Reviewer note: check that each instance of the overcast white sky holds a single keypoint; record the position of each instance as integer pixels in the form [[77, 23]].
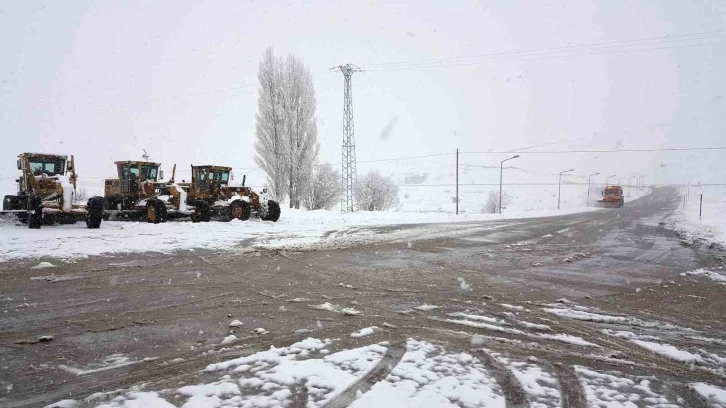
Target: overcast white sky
[[104, 80]]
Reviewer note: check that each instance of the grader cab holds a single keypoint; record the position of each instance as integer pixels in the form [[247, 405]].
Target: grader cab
[[46, 193], [134, 193], [137, 181]]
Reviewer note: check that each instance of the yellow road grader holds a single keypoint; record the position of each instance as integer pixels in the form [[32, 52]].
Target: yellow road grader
[[139, 193], [46, 193]]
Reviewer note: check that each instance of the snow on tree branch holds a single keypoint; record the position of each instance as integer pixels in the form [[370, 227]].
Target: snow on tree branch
[[286, 133], [375, 192], [323, 191]]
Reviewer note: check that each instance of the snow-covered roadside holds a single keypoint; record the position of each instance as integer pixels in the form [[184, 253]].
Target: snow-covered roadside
[[296, 229], [714, 396], [710, 228], [714, 276]]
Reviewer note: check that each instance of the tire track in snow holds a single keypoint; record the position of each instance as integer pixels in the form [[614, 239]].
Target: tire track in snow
[[633, 352], [381, 370], [689, 397], [80, 387], [571, 391], [514, 394]]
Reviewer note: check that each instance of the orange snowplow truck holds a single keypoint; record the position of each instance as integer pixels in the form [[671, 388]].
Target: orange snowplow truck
[[612, 197]]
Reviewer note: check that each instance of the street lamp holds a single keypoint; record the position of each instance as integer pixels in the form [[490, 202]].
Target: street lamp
[[621, 178], [642, 176], [501, 170], [559, 186], [629, 181], [588, 187], [608, 178]]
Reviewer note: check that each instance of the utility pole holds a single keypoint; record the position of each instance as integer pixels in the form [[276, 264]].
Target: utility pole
[[559, 186], [348, 173], [501, 170], [629, 181], [457, 181], [588, 187]]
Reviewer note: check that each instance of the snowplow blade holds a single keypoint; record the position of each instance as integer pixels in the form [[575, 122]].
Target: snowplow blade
[[608, 204]]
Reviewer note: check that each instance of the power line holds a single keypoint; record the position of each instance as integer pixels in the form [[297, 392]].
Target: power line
[[489, 184], [550, 184], [547, 53], [406, 158], [538, 51], [664, 149], [540, 58], [521, 151]]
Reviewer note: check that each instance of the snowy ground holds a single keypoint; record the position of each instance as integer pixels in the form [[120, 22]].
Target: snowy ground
[[473, 320], [296, 229], [532, 366], [708, 228], [426, 195]]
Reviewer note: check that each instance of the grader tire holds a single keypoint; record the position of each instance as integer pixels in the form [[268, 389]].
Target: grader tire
[[240, 210], [273, 211], [35, 212], [161, 209], [50, 219], [94, 212], [202, 212], [154, 214], [10, 202]]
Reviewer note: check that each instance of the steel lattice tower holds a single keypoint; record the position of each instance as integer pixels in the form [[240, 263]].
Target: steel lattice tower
[[348, 174]]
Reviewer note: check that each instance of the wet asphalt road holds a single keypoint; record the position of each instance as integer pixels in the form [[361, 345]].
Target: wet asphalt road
[[177, 306]]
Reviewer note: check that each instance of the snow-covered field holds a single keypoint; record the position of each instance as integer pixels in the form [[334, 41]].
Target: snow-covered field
[[296, 229], [709, 228], [429, 185]]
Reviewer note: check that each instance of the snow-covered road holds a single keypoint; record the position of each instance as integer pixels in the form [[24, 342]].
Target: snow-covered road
[[596, 309], [296, 229], [493, 371]]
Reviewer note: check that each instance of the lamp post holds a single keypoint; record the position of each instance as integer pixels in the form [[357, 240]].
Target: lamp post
[[501, 170], [588, 187], [642, 176], [559, 186], [608, 178], [621, 178], [629, 181]]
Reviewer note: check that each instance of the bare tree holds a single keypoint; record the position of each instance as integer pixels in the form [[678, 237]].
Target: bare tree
[[492, 205], [375, 192], [81, 195], [302, 132], [287, 135], [323, 192], [272, 144]]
